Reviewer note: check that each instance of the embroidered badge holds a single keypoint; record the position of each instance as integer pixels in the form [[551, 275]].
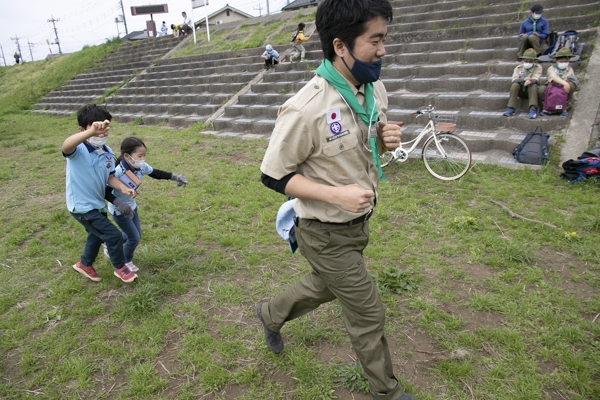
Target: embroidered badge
[[335, 128], [334, 116], [331, 138]]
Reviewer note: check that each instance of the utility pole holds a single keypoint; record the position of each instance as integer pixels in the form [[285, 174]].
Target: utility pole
[[268, 12], [2, 50], [259, 9], [16, 39], [55, 32], [124, 22], [117, 22], [30, 46]]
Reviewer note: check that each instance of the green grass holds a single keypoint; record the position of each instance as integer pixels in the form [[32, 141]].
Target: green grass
[[455, 272], [22, 85]]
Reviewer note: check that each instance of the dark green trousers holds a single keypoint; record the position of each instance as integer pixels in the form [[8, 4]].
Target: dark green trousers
[[339, 272], [529, 42], [516, 91]]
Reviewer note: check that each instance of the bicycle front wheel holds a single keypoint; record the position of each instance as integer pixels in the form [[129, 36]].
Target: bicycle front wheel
[[451, 165]]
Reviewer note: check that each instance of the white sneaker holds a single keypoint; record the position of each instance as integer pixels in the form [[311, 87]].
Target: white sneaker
[[105, 251], [132, 267]]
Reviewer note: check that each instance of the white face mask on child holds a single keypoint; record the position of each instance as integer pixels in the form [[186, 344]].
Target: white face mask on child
[[137, 164], [563, 65], [97, 141], [537, 16], [527, 65]]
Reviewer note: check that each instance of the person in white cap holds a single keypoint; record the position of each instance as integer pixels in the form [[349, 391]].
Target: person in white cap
[[271, 57]]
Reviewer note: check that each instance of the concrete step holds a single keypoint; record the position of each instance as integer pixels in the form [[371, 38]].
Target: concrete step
[[461, 11], [191, 80], [479, 31]]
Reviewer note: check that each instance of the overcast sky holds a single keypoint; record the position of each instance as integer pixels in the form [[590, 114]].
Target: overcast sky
[[91, 22]]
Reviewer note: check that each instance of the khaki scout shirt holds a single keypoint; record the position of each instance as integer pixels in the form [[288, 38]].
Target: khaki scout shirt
[[553, 73], [304, 142], [535, 72]]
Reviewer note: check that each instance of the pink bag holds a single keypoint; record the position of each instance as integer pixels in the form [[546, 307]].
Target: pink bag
[[555, 99]]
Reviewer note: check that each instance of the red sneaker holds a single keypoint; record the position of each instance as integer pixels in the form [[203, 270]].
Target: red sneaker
[[88, 272], [125, 274]]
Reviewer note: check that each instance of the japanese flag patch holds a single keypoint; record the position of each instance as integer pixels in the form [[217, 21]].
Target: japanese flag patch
[[334, 116]]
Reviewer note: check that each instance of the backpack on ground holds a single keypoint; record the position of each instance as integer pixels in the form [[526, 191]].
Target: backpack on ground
[[555, 99], [533, 149], [568, 39], [580, 169], [294, 36]]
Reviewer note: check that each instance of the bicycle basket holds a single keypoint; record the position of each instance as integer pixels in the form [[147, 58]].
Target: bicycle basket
[[445, 122]]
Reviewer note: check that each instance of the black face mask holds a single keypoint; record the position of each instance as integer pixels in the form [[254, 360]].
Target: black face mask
[[364, 72]]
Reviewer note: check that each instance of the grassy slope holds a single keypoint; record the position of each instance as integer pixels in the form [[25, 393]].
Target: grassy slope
[[519, 300], [22, 85]]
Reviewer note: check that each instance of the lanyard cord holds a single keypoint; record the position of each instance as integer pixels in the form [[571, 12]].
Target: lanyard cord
[[372, 135]]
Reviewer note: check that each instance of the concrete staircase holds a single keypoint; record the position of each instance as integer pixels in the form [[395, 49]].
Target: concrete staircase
[[185, 90], [456, 55], [116, 69]]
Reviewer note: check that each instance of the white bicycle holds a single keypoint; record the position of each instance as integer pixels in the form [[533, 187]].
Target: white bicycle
[[446, 156]]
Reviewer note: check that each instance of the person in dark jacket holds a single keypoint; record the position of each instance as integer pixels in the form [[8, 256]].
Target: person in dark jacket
[[533, 31]]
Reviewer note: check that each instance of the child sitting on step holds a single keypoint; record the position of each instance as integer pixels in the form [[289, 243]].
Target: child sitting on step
[[298, 47], [561, 74], [525, 80], [133, 161]]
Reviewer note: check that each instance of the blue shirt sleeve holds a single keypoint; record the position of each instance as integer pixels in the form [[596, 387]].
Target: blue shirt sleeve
[[543, 28]]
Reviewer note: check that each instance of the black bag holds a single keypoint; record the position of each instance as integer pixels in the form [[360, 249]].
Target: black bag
[[533, 149]]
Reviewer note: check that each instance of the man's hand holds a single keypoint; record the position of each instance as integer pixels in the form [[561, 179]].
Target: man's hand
[[535, 33], [354, 198], [99, 128], [391, 134], [124, 208], [527, 82]]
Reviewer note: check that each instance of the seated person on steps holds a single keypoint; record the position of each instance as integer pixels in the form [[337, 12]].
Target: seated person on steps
[[560, 73], [186, 26], [270, 56], [533, 30], [525, 81]]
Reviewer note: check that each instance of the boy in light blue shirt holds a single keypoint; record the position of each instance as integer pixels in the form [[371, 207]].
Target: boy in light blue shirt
[[271, 57], [90, 167]]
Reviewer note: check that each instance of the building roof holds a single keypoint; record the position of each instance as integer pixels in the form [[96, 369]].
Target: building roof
[[233, 9], [297, 4]]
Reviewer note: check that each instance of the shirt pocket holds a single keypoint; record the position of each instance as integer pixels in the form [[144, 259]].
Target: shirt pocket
[[341, 145]]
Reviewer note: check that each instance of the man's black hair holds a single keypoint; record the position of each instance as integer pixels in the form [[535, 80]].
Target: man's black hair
[[91, 113], [301, 26], [346, 20]]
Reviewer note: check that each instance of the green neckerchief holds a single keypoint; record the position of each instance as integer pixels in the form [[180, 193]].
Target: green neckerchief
[[560, 71], [534, 22], [526, 73], [369, 116]]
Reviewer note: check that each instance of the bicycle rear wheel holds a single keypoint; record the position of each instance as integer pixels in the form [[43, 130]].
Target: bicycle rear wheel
[[454, 164], [386, 159]]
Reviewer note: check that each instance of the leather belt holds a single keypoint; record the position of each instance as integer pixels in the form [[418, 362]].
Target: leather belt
[[359, 220]]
